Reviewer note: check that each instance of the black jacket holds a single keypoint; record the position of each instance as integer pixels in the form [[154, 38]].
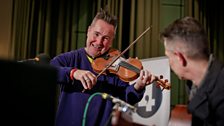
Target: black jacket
[[207, 105]]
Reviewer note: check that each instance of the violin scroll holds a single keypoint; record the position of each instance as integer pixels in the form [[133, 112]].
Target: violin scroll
[[162, 83]]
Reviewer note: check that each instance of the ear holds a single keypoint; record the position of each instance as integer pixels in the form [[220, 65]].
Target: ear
[[181, 58]]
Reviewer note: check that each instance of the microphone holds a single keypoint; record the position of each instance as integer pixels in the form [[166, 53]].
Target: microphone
[[124, 105], [43, 58], [29, 60], [39, 59]]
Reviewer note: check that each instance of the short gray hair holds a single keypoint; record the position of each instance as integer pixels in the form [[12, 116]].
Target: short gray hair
[[190, 33]]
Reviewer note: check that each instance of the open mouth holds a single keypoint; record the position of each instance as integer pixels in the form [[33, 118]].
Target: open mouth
[[97, 47]]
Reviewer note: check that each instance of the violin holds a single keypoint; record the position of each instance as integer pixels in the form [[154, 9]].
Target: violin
[[126, 69]]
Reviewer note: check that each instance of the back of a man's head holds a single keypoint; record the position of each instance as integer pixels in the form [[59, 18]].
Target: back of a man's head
[[191, 34]]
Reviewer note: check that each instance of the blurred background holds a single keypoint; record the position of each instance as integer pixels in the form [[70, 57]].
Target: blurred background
[[31, 27]]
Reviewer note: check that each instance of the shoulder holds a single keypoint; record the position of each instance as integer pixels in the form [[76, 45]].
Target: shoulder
[[72, 53], [217, 69], [69, 56]]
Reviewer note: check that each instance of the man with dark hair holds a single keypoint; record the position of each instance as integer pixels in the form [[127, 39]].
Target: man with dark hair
[[186, 46], [75, 75]]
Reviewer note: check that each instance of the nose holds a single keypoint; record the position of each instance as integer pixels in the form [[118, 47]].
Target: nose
[[99, 40]]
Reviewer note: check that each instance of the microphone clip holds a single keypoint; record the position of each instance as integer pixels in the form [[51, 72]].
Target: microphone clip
[[120, 105]]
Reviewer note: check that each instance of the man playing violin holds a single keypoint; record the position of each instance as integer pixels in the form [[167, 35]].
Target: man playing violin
[[78, 81]]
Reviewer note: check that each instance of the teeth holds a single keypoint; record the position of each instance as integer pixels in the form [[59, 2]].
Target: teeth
[[97, 46]]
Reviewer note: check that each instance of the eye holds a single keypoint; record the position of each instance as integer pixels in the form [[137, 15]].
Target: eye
[[96, 34], [106, 38]]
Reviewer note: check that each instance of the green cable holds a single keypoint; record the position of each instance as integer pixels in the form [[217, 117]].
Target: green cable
[[86, 108]]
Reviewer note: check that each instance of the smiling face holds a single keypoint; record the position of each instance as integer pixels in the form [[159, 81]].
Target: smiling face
[[100, 36]]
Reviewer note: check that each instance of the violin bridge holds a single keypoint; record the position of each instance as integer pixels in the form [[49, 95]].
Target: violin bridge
[[115, 66]]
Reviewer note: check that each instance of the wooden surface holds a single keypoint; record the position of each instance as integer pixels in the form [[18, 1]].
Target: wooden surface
[[117, 120], [180, 116]]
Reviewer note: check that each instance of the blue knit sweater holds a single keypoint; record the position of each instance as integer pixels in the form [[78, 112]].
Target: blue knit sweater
[[72, 101]]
